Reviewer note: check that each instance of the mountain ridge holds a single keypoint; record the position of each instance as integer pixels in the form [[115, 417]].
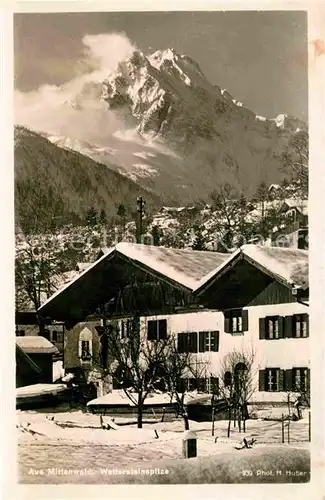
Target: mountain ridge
[[52, 182], [184, 136]]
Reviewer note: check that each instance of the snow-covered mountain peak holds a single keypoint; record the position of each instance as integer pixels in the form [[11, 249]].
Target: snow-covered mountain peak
[[159, 56], [169, 60], [279, 120]]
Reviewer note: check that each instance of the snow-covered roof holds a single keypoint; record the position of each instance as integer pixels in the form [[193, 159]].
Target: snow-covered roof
[[301, 205], [36, 344], [186, 267], [287, 264], [39, 390], [181, 267]]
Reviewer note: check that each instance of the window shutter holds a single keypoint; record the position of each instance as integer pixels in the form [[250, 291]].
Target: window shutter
[[192, 342], [135, 326], [152, 330], [261, 381], [182, 342], [288, 386], [245, 320], [227, 322], [308, 379], [288, 326], [162, 329], [202, 341], [281, 327], [262, 322], [281, 380], [307, 323], [215, 336]]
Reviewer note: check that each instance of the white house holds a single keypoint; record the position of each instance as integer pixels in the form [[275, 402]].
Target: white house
[[255, 299]]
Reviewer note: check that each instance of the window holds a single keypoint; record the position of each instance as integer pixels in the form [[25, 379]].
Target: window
[[157, 329], [300, 326], [59, 337], [187, 342], [300, 379], [85, 350], [198, 342], [271, 380], [236, 321], [208, 342], [85, 345], [271, 327], [54, 337], [126, 327]]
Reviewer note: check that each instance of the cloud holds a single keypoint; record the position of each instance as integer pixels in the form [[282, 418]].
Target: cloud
[[75, 108]]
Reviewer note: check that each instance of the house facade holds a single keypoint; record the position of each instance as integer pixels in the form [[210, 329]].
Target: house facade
[[262, 293], [276, 334], [254, 300]]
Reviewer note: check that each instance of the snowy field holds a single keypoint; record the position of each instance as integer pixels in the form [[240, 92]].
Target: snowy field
[[75, 440]]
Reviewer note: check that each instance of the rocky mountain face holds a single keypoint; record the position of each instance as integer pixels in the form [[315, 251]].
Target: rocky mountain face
[[183, 138], [57, 185], [217, 139]]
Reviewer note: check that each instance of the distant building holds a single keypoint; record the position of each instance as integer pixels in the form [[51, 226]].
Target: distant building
[[295, 232], [27, 325]]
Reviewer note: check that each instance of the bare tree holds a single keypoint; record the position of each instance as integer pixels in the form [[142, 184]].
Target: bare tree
[[297, 393], [295, 161], [135, 363], [38, 267], [232, 209], [236, 384], [179, 368]]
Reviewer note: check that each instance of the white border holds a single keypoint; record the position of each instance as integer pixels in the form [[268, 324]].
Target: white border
[[313, 490]]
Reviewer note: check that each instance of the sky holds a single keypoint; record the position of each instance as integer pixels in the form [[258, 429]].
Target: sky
[[259, 57]]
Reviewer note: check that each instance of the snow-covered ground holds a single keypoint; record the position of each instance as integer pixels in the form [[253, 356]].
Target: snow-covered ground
[[82, 428], [75, 441]]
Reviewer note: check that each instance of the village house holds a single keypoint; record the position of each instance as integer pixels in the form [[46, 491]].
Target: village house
[[127, 280], [35, 356], [263, 295], [212, 303], [27, 325]]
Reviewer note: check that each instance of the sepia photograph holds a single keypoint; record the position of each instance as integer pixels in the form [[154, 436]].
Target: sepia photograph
[[161, 184]]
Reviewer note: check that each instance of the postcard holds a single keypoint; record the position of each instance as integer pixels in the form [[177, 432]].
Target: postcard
[[165, 209]]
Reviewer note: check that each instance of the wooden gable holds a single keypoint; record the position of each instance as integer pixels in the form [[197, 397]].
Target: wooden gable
[[243, 284]]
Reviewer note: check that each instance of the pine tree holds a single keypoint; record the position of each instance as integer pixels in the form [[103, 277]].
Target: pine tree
[[91, 217], [121, 210], [199, 240], [156, 234], [102, 217]]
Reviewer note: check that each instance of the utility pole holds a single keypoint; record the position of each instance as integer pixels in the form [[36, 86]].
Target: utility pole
[[140, 209]]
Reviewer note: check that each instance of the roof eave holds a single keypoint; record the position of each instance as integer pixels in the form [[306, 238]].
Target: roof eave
[[222, 269], [74, 280]]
